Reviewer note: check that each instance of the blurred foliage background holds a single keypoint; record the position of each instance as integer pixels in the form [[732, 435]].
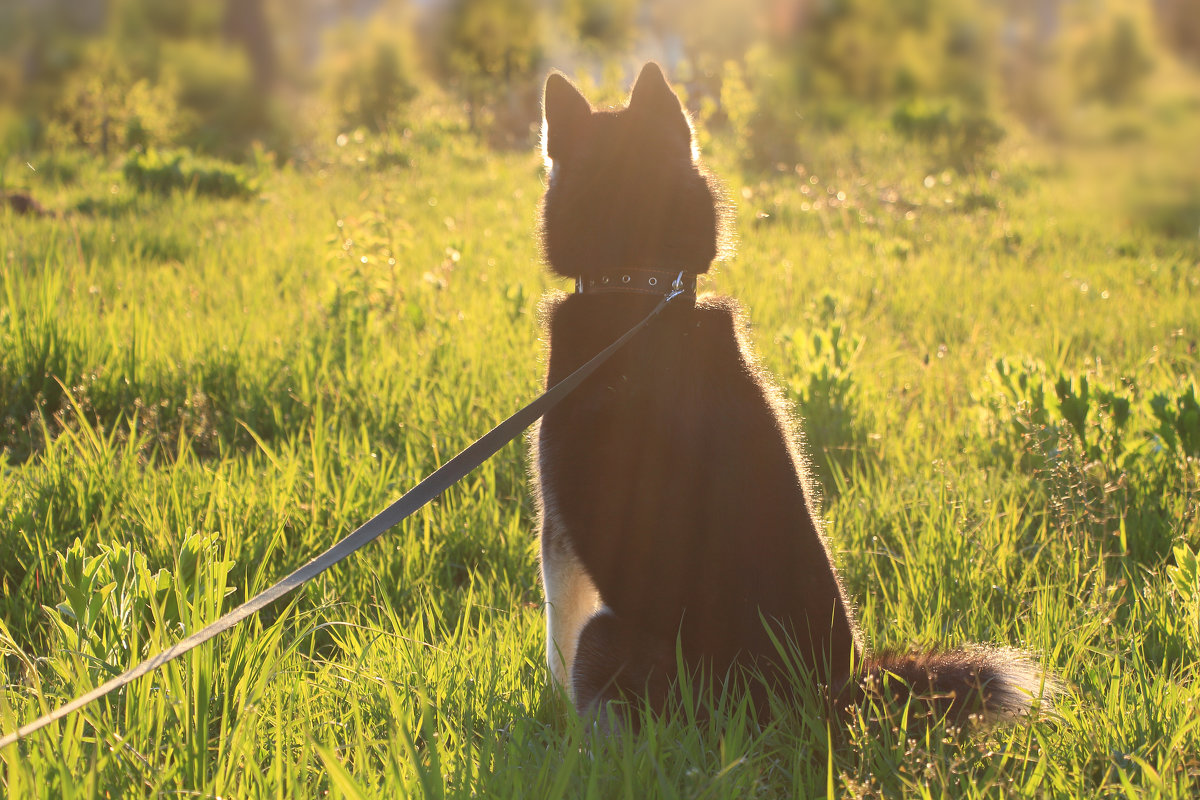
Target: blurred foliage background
[[272, 264], [219, 76]]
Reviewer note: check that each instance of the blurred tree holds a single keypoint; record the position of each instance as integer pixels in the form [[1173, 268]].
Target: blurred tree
[[604, 25], [143, 28], [821, 63], [147, 73], [369, 73], [168, 19], [492, 47], [1112, 65], [1179, 25], [246, 24], [104, 107], [878, 52]]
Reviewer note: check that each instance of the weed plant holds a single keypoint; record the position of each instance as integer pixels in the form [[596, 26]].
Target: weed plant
[[996, 377]]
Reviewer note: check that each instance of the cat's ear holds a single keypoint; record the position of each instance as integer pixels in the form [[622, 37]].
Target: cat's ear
[[566, 112], [653, 100]]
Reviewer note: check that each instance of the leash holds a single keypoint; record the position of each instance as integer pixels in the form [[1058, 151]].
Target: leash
[[416, 498]]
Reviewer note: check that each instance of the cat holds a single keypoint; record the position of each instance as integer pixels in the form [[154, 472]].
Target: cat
[[677, 520]]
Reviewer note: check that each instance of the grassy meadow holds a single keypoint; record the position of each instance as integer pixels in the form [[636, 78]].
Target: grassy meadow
[[995, 368]]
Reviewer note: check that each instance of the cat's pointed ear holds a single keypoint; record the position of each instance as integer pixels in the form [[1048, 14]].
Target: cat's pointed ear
[[566, 112], [652, 99]]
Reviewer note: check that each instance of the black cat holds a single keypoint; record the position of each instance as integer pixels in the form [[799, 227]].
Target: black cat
[[675, 508]]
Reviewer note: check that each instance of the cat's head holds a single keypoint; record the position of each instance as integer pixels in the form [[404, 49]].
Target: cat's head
[[625, 188]]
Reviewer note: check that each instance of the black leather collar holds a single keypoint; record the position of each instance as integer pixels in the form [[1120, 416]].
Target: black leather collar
[[641, 281]]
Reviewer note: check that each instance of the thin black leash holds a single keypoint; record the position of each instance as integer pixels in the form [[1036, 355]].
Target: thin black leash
[[416, 498]]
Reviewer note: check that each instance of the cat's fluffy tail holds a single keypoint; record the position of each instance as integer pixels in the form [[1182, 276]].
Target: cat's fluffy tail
[[973, 684]]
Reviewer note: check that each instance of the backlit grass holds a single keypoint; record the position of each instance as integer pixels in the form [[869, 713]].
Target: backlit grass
[[198, 394]]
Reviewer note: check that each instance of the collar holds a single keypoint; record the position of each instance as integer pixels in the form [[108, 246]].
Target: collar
[[641, 281]]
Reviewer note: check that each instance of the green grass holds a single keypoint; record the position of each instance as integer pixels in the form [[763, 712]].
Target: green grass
[[198, 394]]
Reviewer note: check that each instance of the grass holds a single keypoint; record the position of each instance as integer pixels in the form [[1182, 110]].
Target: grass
[[199, 393]]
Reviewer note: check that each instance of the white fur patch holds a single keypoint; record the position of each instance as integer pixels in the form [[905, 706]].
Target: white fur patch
[[571, 597]]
